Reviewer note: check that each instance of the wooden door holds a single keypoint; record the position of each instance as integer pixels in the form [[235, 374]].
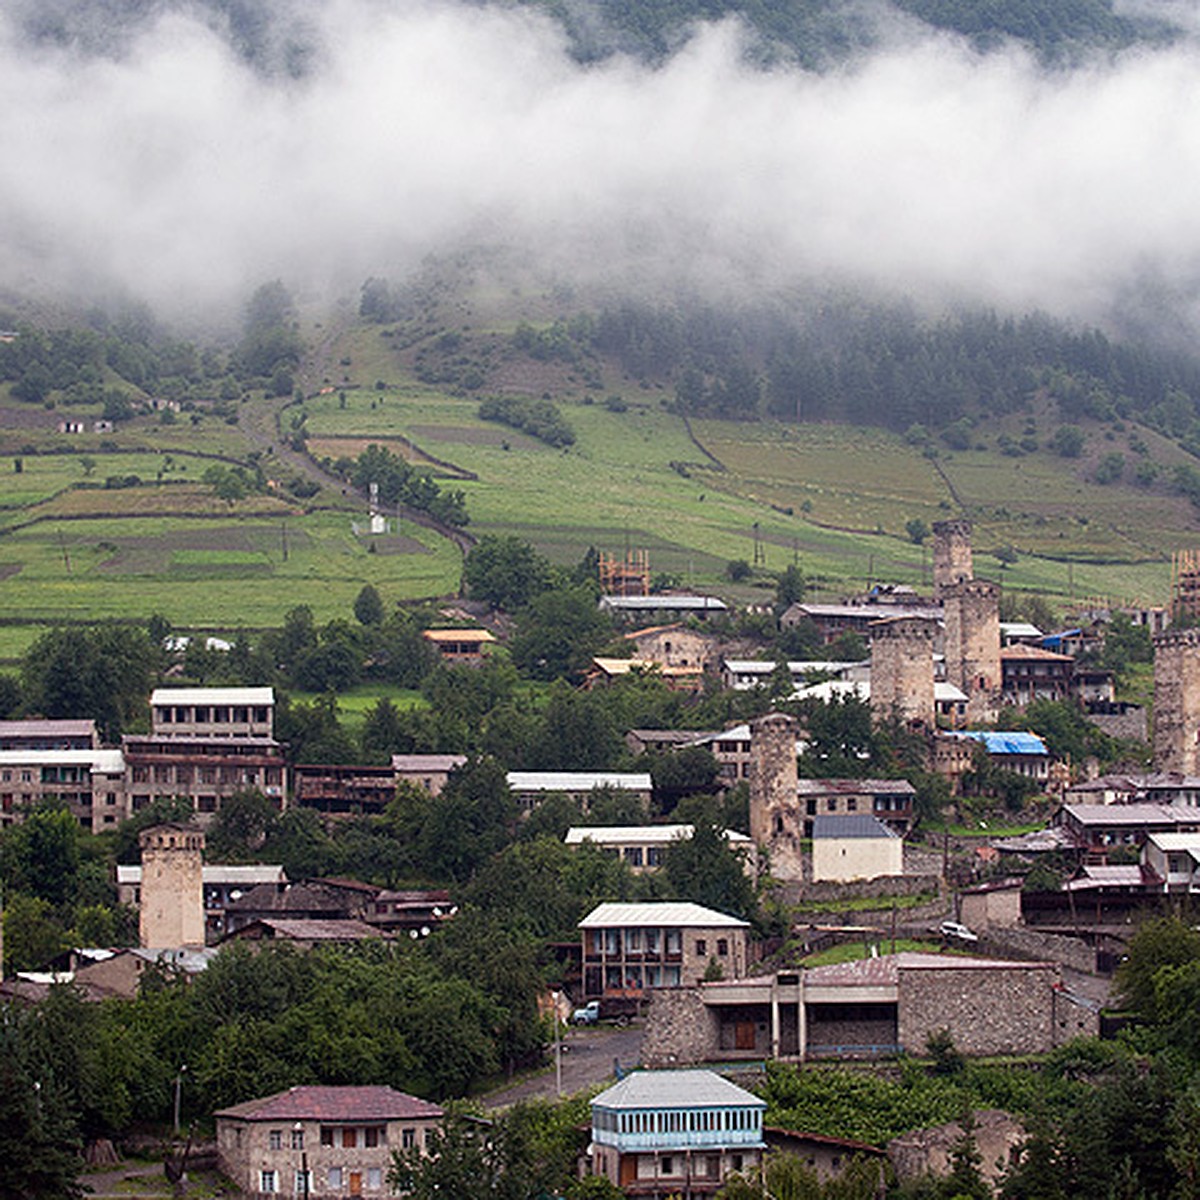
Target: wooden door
[[743, 1035], [628, 1169], [356, 1183]]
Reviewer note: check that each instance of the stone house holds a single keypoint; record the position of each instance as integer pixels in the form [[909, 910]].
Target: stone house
[[321, 1141], [997, 1136], [674, 645], [427, 771], [657, 1134], [629, 949], [866, 1009], [459, 646]]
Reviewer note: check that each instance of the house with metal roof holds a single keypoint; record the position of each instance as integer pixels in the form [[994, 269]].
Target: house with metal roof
[[850, 846], [213, 712], [631, 948], [321, 1141], [530, 788], [1022, 753], [674, 1133], [641, 847], [661, 608]]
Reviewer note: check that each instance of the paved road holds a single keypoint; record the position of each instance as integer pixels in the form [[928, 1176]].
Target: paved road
[[588, 1056]]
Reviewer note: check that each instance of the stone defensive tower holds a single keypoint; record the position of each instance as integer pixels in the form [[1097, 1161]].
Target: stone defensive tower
[[775, 821], [172, 899], [1177, 701], [952, 561], [902, 670], [971, 611]]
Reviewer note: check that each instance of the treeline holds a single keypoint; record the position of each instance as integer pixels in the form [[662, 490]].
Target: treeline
[[401, 483], [541, 419], [887, 365]]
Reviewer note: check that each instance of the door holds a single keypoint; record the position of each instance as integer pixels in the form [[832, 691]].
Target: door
[[628, 1170], [743, 1035], [356, 1183]]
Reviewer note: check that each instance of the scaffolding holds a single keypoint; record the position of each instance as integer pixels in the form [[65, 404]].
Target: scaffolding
[[628, 576]]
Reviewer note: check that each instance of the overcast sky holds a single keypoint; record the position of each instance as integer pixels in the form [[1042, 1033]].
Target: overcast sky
[[176, 170]]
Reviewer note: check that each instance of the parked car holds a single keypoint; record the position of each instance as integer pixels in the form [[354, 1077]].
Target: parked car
[[957, 932]]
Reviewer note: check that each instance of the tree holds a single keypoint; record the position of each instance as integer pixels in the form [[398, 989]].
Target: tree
[[917, 530], [1159, 943], [790, 587], [505, 571], [737, 570], [703, 869], [558, 632], [1068, 441], [368, 607], [460, 1159], [241, 826], [41, 856]]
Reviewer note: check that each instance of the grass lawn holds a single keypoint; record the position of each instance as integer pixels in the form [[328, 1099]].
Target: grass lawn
[[853, 951], [354, 704]]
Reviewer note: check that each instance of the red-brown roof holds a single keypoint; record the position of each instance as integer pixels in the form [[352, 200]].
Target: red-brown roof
[[370, 1103], [1020, 650]]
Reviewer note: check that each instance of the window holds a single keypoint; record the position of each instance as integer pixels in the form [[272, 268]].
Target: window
[[374, 1178], [297, 1139], [304, 1183], [266, 1182], [326, 1135], [372, 1138], [408, 1138], [722, 946], [667, 1165], [333, 1178], [275, 1139], [347, 1139], [701, 947]]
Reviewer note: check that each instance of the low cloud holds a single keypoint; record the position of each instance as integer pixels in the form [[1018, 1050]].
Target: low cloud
[[172, 168]]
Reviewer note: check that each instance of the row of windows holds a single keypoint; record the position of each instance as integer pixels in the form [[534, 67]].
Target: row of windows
[[634, 978], [184, 773], [217, 715], [635, 941], [336, 1178], [680, 1120]]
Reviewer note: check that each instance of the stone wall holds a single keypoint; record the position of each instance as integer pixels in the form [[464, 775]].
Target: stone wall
[[902, 670], [952, 559], [859, 889], [971, 611], [774, 817], [1177, 701], [988, 1010], [1131, 725], [1042, 947], [680, 1030]]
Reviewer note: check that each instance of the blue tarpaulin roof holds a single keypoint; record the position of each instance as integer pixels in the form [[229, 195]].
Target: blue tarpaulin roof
[[1005, 742]]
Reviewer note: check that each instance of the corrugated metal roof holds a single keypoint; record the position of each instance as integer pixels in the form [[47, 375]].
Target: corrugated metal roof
[[827, 826], [579, 781], [213, 695], [427, 762], [110, 762], [676, 1089], [613, 835], [663, 913], [662, 603], [214, 873]]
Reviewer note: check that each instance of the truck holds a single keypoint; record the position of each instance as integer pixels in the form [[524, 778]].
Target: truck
[[619, 1009]]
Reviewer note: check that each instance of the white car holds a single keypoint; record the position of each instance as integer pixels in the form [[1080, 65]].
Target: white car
[[957, 931]]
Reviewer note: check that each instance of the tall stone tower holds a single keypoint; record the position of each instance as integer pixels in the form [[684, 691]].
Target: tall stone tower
[[971, 611], [172, 901], [902, 670], [775, 820], [1177, 701], [951, 554]]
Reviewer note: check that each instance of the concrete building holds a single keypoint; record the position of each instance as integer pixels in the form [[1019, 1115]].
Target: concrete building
[[902, 671], [971, 615], [40, 734], [1177, 701], [1174, 861], [851, 846], [629, 949], [345, 789], [213, 712], [658, 1134], [641, 847], [205, 769], [775, 823], [90, 782], [952, 561], [344, 1137], [172, 897], [664, 608]]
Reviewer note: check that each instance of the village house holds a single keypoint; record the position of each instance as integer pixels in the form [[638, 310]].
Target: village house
[[91, 783], [607, 670], [631, 948], [40, 734], [1095, 829], [343, 789], [657, 1134], [427, 771], [462, 647], [641, 847], [321, 1141], [852, 846], [674, 645], [890, 800], [1032, 673], [666, 608], [530, 788]]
